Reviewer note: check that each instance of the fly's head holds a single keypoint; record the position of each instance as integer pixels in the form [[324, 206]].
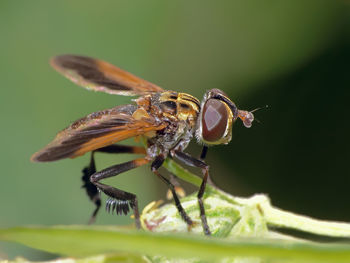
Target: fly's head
[[217, 115]]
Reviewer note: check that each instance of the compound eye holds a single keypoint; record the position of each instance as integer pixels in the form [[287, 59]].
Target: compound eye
[[214, 120]]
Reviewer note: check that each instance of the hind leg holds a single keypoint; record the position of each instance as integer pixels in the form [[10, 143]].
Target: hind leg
[[119, 200], [91, 189]]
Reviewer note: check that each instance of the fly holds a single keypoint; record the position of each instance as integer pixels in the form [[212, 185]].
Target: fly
[[166, 120]]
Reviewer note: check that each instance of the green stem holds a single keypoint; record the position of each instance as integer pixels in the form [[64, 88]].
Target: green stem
[[273, 216], [280, 218], [182, 173]]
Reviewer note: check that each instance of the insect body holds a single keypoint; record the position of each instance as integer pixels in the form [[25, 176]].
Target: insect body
[[167, 120]]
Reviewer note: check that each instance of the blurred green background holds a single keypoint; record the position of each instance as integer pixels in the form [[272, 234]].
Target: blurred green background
[[291, 55]]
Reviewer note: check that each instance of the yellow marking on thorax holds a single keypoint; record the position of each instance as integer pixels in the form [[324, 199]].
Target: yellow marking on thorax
[[187, 106]]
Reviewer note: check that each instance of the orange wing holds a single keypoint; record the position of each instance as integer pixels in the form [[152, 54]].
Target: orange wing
[[95, 131], [99, 75]]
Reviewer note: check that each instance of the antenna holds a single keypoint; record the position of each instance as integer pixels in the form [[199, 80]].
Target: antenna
[[264, 107], [247, 117]]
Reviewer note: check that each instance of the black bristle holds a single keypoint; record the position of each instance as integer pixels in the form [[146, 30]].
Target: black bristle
[[108, 205], [114, 205], [126, 208], [121, 207]]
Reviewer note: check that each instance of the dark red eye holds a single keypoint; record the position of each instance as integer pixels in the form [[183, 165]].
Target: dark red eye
[[214, 120]]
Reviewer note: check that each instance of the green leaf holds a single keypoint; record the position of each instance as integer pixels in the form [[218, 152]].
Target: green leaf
[[87, 241], [107, 258]]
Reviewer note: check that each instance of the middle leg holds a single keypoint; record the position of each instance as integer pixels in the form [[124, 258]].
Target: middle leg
[[157, 163], [178, 188]]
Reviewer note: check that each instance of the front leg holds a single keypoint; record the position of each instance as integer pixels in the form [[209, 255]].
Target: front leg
[[191, 161], [202, 158]]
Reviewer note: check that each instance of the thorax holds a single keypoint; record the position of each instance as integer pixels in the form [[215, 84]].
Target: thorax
[[179, 110]]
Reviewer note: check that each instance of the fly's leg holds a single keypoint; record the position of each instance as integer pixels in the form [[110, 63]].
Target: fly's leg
[[203, 153], [90, 188], [178, 189], [115, 148], [157, 163], [191, 161], [119, 200], [202, 158]]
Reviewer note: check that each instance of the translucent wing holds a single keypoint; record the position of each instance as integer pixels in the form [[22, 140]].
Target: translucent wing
[[99, 75], [97, 130]]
